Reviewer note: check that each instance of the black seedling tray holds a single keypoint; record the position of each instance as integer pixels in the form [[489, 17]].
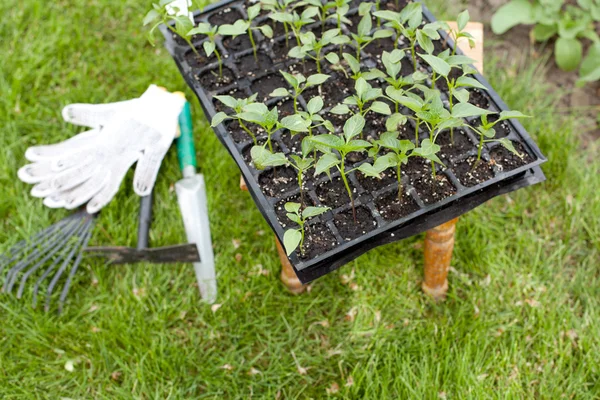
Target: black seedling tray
[[427, 213]]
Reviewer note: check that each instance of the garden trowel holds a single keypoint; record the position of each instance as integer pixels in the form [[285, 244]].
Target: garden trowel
[[191, 195]]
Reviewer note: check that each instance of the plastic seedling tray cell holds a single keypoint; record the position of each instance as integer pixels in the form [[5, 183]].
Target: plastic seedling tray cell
[[458, 192]]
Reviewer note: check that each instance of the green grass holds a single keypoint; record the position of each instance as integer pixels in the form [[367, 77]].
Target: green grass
[[521, 319]]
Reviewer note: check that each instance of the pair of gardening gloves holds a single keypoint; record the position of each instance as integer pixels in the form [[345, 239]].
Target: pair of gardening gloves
[[89, 167]]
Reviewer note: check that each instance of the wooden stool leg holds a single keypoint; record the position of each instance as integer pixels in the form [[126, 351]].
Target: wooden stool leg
[[288, 275], [439, 243]]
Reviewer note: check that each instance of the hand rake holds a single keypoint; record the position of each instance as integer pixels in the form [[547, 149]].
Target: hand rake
[[57, 249]]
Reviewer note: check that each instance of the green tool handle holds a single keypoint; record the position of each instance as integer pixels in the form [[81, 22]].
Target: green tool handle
[[186, 153]]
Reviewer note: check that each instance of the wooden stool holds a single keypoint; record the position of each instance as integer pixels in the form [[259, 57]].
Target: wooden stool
[[439, 241]]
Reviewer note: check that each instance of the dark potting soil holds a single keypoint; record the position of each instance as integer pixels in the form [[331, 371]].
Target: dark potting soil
[[332, 94], [237, 44], [502, 128], [279, 49], [505, 160], [371, 184], [238, 94], [238, 134], [471, 173], [199, 60], [377, 47], [350, 229], [306, 68], [333, 193], [278, 180], [391, 208], [453, 149], [478, 99], [212, 81], [250, 66], [431, 190], [318, 239], [265, 85], [294, 143], [225, 16]]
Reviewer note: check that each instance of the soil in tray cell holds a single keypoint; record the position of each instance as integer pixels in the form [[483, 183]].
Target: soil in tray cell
[[371, 184], [238, 44], [505, 160], [294, 143], [250, 66], [238, 134], [377, 47], [282, 213], [318, 239], [238, 94], [451, 150], [477, 98], [280, 50], [469, 176], [391, 208], [348, 228], [286, 107], [210, 80], [199, 61], [333, 91], [334, 194], [267, 84], [278, 180], [431, 190], [306, 68], [225, 16]]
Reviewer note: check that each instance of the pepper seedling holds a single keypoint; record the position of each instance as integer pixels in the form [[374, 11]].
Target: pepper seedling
[[266, 30], [339, 15], [210, 46], [278, 10], [299, 84], [311, 44], [298, 21], [398, 84], [354, 65], [163, 13], [343, 145], [292, 238], [238, 105], [487, 132], [362, 38], [313, 118], [365, 94], [443, 63], [456, 34], [322, 7]]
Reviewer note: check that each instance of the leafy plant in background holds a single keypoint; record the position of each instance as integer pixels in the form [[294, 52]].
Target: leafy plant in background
[[310, 44], [163, 13], [299, 84], [552, 18], [342, 145], [487, 132], [266, 30], [292, 238], [238, 105]]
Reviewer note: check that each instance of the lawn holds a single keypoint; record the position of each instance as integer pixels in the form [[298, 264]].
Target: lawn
[[522, 318]]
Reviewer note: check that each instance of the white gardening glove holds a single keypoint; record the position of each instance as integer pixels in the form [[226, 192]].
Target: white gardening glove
[[181, 7], [90, 166]]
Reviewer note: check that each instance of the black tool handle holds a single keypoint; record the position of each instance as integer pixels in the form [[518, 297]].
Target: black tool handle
[[145, 220]]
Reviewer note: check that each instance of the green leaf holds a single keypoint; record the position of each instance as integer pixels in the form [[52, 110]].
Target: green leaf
[[462, 95], [152, 16], [315, 105], [408, 102], [316, 79], [266, 30], [425, 42], [428, 150], [364, 26], [465, 81], [329, 126], [373, 73], [353, 126], [512, 14], [331, 141], [257, 108], [369, 170], [463, 110], [354, 145], [202, 28], [462, 20], [590, 66], [511, 114], [395, 121], [297, 52], [253, 11], [218, 118], [294, 123], [294, 217], [544, 32], [209, 47], [387, 15], [333, 58], [291, 240], [329, 34], [380, 108], [252, 117], [279, 92], [352, 62], [291, 79], [340, 109], [361, 86], [509, 146], [292, 207], [383, 33], [459, 60], [310, 212], [325, 163], [239, 27], [229, 101], [440, 66], [568, 53]]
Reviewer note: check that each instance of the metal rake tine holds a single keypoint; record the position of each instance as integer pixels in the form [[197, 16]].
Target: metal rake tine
[[79, 230], [54, 243], [26, 244], [65, 291], [62, 269]]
